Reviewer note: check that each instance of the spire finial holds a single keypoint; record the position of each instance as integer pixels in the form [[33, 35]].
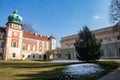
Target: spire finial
[[16, 11]]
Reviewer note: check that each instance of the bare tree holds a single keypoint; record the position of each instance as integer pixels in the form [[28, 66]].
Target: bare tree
[[115, 18], [115, 11], [28, 27], [115, 14]]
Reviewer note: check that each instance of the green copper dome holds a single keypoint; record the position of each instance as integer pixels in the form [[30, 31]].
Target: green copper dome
[[14, 17]]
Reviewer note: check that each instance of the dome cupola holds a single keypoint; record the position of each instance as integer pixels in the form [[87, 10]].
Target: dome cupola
[[15, 17]]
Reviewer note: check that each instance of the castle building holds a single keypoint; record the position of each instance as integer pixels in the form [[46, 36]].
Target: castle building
[[110, 44], [18, 44]]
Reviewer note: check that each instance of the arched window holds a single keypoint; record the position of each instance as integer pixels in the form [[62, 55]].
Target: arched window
[[14, 44]]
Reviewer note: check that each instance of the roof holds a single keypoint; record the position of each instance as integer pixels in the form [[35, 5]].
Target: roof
[[34, 36], [15, 17], [2, 29], [52, 37]]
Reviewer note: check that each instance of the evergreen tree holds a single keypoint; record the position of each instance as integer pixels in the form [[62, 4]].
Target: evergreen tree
[[87, 46]]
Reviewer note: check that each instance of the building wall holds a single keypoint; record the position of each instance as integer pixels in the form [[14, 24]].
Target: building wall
[[64, 54], [13, 35], [68, 41], [35, 48], [110, 44], [18, 44]]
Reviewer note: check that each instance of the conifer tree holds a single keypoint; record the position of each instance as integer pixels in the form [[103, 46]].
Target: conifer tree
[[87, 46]]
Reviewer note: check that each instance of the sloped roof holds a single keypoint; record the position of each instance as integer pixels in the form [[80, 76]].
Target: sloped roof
[[34, 36], [2, 29]]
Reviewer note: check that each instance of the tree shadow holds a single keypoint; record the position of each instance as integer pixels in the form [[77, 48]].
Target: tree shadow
[[43, 75], [33, 70]]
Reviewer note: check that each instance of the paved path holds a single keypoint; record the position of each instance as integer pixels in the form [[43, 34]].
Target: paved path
[[115, 75]]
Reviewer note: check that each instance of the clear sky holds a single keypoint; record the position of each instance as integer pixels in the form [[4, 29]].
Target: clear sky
[[58, 17]]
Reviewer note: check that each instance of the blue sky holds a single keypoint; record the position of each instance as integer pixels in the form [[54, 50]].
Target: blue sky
[[58, 17]]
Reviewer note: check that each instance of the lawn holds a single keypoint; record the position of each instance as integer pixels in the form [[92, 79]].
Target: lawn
[[30, 70], [38, 70]]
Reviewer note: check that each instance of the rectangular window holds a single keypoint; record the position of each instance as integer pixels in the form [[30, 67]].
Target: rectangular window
[[23, 55], [39, 56], [119, 51], [0, 54], [33, 56], [28, 56], [109, 39], [13, 54], [102, 52], [118, 37], [1, 44], [101, 40], [59, 55]]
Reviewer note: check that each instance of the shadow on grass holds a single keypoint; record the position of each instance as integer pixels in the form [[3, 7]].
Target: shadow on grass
[[43, 75], [33, 70], [56, 74]]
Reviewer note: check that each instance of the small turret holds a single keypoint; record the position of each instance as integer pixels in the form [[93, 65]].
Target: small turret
[[14, 20], [52, 42]]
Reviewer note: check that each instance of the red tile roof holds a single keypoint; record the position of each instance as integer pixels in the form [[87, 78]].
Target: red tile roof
[[34, 36], [2, 29]]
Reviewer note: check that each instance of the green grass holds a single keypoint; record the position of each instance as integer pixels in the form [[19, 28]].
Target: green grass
[[40, 70], [109, 65], [32, 70]]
